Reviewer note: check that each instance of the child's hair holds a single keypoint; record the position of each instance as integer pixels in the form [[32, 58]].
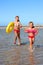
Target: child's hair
[[18, 17], [32, 23]]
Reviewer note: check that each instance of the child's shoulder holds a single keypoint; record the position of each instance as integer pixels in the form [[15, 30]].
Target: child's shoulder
[[34, 28], [29, 28], [19, 23]]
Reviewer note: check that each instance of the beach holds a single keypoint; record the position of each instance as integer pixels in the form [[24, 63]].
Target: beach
[[11, 54]]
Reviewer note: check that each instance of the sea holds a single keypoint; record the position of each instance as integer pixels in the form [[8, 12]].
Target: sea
[[12, 54]]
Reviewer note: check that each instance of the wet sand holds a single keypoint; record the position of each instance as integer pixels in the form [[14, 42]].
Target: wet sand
[[11, 54]]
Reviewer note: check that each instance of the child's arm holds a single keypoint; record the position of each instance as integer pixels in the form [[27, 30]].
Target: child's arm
[[20, 25], [36, 31], [26, 29]]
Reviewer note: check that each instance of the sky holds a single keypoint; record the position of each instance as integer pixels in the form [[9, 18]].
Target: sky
[[27, 10]]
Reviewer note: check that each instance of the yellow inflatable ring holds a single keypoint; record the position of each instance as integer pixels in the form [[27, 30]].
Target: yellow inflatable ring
[[10, 27]]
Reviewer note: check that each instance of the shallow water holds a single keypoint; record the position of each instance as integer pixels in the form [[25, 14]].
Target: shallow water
[[11, 54]]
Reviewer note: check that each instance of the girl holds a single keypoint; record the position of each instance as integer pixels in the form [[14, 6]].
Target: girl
[[32, 31], [17, 27]]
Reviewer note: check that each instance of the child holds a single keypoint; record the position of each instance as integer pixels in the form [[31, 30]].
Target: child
[[32, 31], [17, 27]]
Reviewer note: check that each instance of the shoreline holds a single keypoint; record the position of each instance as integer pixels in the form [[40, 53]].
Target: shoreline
[[3, 27]]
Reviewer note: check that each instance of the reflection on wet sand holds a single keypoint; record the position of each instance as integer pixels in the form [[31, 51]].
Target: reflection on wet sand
[[20, 55], [13, 57], [32, 59]]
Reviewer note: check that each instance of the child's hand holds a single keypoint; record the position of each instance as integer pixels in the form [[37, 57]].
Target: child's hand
[[26, 30], [21, 26]]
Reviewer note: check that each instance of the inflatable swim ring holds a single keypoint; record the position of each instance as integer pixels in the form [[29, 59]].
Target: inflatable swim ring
[[10, 27]]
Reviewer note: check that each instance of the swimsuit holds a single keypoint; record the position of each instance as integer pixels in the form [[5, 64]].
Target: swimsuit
[[16, 30], [31, 31], [31, 37]]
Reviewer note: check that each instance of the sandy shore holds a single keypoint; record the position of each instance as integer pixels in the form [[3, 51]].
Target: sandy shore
[[20, 55]]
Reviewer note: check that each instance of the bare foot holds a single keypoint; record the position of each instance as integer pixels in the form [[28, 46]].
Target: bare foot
[[19, 44], [14, 42], [30, 49]]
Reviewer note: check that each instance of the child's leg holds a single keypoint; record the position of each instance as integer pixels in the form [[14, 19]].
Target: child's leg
[[31, 43], [19, 40], [33, 39], [15, 38]]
